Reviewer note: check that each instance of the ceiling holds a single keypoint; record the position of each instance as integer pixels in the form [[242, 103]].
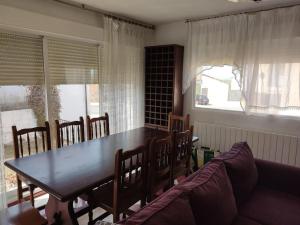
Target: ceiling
[[165, 11]]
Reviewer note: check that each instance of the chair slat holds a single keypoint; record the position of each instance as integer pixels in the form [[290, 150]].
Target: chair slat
[[71, 132], [178, 123], [28, 144], [43, 140], [21, 145], [35, 142], [97, 127]]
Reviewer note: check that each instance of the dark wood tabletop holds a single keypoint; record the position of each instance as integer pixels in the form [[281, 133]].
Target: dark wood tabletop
[[70, 171]]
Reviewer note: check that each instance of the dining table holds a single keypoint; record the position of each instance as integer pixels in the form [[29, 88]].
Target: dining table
[[73, 170]]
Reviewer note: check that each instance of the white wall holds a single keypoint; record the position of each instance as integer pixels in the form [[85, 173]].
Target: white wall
[[175, 33], [47, 17]]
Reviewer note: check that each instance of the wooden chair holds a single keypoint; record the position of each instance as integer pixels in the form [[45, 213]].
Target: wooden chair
[[68, 133], [160, 166], [178, 123], [21, 214], [128, 186], [182, 153], [97, 127], [23, 146]]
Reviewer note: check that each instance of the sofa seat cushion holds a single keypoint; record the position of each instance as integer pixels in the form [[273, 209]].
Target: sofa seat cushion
[[172, 207], [241, 169], [211, 195], [240, 220], [271, 207]]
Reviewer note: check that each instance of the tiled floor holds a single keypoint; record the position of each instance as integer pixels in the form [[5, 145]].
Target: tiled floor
[[97, 212]]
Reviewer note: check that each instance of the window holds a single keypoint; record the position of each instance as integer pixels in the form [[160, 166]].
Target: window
[[218, 88], [72, 86], [22, 96], [73, 78], [269, 94]]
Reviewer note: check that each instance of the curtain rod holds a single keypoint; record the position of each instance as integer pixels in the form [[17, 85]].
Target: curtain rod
[[239, 13], [104, 13]]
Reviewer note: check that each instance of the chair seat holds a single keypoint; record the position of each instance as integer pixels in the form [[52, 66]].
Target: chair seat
[[103, 197], [21, 214]]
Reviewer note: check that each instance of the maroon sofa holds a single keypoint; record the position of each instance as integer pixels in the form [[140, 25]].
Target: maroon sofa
[[233, 189]]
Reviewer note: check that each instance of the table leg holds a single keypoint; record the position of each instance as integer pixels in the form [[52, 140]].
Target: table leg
[[60, 213]]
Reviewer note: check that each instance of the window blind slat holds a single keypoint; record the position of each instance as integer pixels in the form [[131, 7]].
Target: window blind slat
[[21, 60], [72, 62]]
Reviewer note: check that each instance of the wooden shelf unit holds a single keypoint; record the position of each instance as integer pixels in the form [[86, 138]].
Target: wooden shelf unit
[[163, 84]]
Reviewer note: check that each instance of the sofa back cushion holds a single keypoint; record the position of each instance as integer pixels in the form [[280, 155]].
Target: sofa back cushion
[[241, 169], [172, 207], [211, 195]]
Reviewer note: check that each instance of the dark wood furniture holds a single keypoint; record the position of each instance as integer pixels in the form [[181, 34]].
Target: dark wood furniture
[[77, 169], [97, 127], [163, 84], [29, 141], [68, 133], [128, 186], [160, 166], [183, 142], [21, 214], [178, 123]]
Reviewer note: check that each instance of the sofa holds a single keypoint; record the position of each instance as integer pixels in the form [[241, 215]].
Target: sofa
[[232, 189]]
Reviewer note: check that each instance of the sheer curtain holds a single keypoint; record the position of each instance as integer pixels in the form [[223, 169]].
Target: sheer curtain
[[264, 50], [271, 70], [2, 174], [122, 78], [214, 42]]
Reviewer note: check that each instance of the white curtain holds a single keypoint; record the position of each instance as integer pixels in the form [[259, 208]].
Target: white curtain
[[2, 174], [264, 50], [213, 42], [271, 69], [122, 78]]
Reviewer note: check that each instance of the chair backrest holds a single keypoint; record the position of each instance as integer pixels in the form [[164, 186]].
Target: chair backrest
[[178, 123], [160, 165], [183, 148], [97, 127], [130, 175], [30, 141], [68, 133]]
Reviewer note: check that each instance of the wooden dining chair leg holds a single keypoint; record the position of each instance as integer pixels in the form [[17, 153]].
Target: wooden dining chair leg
[[90, 214], [20, 192], [116, 217], [143, 202], [72, 213], [31, 190]]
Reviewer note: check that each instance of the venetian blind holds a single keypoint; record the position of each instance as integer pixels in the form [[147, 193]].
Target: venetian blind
[[21, 60], [72, 62]]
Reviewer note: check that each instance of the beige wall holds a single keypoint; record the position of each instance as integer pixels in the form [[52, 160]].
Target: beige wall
[[175, 33]]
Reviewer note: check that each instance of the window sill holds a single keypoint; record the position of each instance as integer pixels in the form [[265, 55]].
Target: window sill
[[213, 109], [242, 113]]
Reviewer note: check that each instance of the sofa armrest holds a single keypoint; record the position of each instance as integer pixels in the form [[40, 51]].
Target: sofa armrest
[[278, 176]]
